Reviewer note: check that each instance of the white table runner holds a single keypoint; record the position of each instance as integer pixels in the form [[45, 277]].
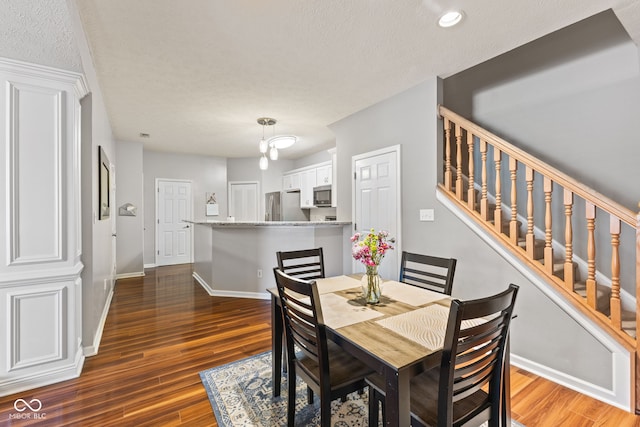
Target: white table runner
[[409, 294], [335, 284], [339, 312], [425, 326]]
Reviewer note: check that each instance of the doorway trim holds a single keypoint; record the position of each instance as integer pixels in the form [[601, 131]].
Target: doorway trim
[[157, 215], [386, 150]]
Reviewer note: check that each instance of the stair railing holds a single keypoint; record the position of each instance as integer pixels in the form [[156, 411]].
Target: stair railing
[[468, 147]]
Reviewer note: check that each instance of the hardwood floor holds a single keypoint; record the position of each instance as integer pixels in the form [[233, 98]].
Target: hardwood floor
[[164, 328]]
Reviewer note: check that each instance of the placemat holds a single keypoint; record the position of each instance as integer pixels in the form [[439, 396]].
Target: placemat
[[425, 326], [337, 283], [409, 294], [339, 312]]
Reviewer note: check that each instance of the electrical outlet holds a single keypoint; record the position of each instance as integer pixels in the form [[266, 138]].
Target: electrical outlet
[[427, 215], [259, 274]]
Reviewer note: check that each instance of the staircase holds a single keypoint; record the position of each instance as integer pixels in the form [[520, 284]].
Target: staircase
[[551, 222]]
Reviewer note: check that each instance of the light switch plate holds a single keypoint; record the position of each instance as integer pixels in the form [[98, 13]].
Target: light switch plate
[[427, 215]]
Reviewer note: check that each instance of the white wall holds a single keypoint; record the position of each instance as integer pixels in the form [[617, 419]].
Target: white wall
[[208, 174], [129, 189]]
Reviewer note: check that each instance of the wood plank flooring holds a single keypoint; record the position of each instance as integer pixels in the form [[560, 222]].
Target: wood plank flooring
[[163, 329]]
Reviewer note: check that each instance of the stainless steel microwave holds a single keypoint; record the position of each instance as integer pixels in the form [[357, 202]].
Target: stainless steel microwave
[[322, 196]]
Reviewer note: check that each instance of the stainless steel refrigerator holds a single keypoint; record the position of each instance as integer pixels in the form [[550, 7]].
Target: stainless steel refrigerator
[[284, 206]]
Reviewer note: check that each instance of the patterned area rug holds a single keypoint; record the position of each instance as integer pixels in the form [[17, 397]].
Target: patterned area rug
[[240, 395]]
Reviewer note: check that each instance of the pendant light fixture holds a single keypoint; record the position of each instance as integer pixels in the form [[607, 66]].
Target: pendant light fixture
[[273, 144], [263, 145]]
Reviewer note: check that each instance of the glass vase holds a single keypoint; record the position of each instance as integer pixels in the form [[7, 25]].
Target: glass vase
[[371, 284]]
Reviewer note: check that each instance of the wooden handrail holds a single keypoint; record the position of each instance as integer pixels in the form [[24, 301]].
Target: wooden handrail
[[622, 213]]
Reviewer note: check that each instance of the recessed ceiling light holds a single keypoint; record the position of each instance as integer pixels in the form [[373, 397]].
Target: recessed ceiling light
[[450, 19]]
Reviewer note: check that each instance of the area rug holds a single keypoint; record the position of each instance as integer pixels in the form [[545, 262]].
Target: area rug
[[241, 395]]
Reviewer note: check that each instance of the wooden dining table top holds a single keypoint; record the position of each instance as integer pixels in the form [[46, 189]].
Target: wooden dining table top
[[347, 315]]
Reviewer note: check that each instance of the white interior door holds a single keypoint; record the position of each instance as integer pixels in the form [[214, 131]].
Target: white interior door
[[377, 201], [174, 236], [243, 201]]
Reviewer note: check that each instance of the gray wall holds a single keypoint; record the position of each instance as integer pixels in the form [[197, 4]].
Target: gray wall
[[312, 159], [564, 98], [540, 332], [207, 173], [129, 189], [571, 99]]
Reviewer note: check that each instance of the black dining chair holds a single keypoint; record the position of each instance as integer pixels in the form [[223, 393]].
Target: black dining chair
[[468, 387], [429, 272], [304, 264], [327, 370]]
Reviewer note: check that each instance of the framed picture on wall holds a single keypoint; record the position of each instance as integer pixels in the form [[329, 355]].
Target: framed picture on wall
[[104, 185]]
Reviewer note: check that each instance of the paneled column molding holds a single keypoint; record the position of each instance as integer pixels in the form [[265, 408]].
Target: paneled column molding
[[40, 247]]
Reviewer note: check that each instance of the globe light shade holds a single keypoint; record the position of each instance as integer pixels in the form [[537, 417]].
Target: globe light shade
[[264, 163], [273, 153], [263, 146]]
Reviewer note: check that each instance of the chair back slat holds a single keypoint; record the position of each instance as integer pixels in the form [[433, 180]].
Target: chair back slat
[[303, 320], [473, 355], [304, 264], [429, 272]]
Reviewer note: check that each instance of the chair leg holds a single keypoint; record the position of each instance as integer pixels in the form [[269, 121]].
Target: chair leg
[[373, 408], [291, 401], [325, 412], [309, 396]]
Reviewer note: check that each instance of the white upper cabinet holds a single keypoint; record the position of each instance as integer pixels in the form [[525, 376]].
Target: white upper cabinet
[[307, 182], [291, 181], [323, 175]]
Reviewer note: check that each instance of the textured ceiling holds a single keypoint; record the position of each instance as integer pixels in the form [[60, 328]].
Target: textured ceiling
[[196, 74], [38, 31]]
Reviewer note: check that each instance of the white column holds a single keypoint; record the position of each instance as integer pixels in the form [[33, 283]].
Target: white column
[[40, 247]]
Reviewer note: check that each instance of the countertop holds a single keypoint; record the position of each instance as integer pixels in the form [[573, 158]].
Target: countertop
[[248, 224]]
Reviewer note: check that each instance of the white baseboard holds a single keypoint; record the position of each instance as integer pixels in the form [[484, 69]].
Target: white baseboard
[[152, 265], [43, 378], [129, 275], [92, 350], [233, 294], [573, 383]]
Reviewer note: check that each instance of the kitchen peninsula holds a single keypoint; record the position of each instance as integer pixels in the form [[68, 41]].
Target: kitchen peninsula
[[236, 258]]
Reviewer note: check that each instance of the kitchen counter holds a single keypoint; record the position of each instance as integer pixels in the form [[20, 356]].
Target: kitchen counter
[[246, 224], [236, 258]]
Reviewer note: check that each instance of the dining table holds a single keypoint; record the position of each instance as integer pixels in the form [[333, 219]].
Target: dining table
[[400, 337]]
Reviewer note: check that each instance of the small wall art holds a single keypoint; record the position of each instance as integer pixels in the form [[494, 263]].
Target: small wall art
[[212, 205], [104, 185]]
